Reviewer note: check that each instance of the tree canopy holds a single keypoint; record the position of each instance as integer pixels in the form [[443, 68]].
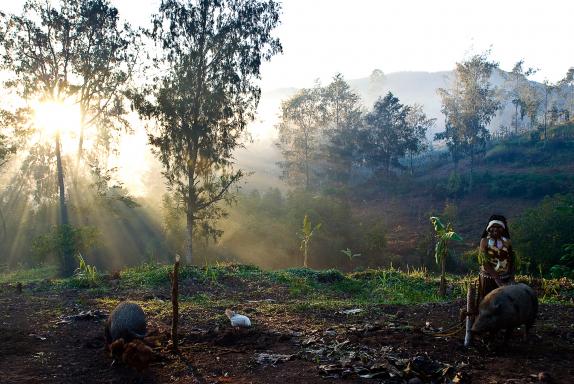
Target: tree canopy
[[204, 94], [469, 106]]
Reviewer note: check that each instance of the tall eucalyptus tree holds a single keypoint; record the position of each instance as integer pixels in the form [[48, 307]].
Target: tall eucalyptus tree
[[204, 94]]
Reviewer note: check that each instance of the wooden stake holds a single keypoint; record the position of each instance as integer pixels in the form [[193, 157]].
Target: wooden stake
[[470, 313], [174, 304]]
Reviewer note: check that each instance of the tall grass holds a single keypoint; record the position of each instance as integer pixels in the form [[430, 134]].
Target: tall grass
[[299, 287], [28, 275]]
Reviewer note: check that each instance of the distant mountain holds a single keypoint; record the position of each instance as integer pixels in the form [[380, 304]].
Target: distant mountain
[[410, 88], [421, 88]]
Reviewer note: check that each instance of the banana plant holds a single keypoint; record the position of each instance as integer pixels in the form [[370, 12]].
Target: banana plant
[[350, 255], [444, 234], [306, 233]]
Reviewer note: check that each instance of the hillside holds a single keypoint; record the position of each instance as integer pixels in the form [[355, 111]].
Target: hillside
[[386, 218], [261, 156], [515, 174]]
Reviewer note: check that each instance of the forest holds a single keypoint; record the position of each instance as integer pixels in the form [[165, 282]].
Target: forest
[[351, 244]]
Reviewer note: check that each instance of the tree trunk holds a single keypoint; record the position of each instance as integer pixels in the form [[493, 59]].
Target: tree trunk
[[571, 102], [442, 287], [67, 257], [516, 119], [307, 177], [305, 256], [175, 304], [471, 167], [189, 239], [545, 112], [190, 206], [81, 139]]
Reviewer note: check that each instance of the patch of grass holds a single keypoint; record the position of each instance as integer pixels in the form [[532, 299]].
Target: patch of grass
[[395, 287], [201, 299], [349, 286], [29, 275], [306, 288], [241, 270], [306, 306], [146, 275]]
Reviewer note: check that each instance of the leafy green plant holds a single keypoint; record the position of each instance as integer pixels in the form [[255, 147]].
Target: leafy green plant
[[86, 273], [62, 239], [306, 234], [566, 265], [374, 237], [350, 255], [444, 234], [457, 185], [542, 249]]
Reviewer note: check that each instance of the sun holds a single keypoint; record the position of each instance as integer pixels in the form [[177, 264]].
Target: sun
[[53, 117]]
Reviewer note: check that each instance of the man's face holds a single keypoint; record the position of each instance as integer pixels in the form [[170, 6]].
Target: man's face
[[495, 231]]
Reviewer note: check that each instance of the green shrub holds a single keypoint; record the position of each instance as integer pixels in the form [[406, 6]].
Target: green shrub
[[540, 234], [51, 246], [528, 186], [324, 276], [86, 274], [457, 185]]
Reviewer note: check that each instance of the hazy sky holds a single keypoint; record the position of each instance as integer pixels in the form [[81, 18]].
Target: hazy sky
[[322, 37]]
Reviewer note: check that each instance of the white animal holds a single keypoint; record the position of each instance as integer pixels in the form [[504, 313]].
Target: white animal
[[237, 320]]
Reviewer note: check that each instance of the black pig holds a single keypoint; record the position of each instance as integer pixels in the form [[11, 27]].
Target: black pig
[[127, 321], [125, 329], [507, 307]]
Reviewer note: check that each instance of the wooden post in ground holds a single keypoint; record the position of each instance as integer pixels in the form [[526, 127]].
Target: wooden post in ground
[[174, 304], [470, 313]]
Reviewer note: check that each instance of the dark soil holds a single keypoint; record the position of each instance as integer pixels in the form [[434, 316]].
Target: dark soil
[[390, 344]]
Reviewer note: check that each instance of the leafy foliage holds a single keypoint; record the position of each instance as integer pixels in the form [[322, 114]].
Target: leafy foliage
[[86, 274], [299, 128], [73, 49], [306, 234], [343, 117], [541, 234], [468, 107], [444, 234], [388, 133], [350, 255], [203, 95], [75, 240], [521, 93], [325, 137]]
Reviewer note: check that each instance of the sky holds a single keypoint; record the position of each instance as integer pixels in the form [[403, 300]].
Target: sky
[[323, 37]]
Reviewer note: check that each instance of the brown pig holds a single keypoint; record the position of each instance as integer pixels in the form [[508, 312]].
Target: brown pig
[[507, 307]]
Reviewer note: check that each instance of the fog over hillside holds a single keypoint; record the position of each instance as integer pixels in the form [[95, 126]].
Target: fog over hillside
[[261, 156]]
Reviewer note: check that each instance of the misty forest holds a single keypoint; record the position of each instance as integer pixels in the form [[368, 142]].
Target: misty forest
[[403, 227]]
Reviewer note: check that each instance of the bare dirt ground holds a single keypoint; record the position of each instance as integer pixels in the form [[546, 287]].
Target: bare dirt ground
[[42, 342]]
